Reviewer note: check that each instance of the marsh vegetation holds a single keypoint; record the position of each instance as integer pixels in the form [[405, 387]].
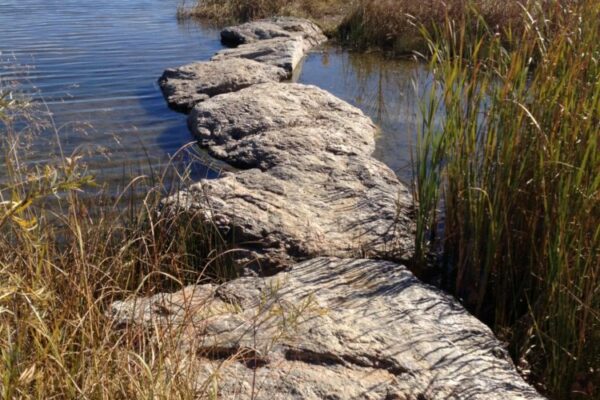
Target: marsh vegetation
[[509, 183], [506, 172]]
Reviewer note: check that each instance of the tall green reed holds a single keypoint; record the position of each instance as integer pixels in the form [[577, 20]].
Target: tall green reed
[[513, 165]]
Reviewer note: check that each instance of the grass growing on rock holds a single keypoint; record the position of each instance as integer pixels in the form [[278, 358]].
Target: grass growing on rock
[[513, 163]]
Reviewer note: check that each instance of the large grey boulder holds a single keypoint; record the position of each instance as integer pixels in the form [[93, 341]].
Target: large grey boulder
[[341, 207], [276, 27], [231, 123], [271, 51], [329, 329], [285, 53], [186, 86], [308, 186]]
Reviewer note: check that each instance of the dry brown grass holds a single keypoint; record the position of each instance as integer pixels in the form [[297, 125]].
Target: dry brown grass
[[327, 13], [394, 25], [390, 25], [67, 250]]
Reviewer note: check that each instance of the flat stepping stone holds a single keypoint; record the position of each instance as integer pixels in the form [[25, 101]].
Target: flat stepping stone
[[329, 329], [270, 51], [186, 86], [285, 53], [231, 121], [277, 27]]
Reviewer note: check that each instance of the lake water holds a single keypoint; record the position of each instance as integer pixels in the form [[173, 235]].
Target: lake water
[[95, 65]]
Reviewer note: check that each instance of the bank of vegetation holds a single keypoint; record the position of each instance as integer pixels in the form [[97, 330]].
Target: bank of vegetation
[[507, 173], [389, 25], [508, 178], [68, 249]]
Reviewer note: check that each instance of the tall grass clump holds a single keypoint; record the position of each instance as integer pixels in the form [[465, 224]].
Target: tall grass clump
[[68, 249], [509, 171], [388, 25], [394, 25], [327, 13]]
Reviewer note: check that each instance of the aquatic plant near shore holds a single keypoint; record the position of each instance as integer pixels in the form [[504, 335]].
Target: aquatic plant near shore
[[514, 166], [389, 25], [67, 251]]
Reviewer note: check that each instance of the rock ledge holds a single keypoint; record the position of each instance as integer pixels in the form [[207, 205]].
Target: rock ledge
[[332, 329]]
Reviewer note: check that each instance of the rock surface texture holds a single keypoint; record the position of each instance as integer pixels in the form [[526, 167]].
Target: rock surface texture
[[332, 329], [285, 53], [329, 311], [186, 86], [277, 27], [267, 51], [308, 187]]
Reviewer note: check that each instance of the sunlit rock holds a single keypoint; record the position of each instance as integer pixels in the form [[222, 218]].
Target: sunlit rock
[[308, 187], [330, 329], [186, 86]]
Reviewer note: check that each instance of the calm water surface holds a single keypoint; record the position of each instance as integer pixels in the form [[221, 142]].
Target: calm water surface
[[95, 65]]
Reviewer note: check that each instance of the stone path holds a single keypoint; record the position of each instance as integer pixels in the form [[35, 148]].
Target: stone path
[[329, 311]]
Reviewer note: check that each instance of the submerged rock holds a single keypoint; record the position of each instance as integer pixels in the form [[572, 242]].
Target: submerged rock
[[309, 187], [277, 27], [186, 86], [331, 329]]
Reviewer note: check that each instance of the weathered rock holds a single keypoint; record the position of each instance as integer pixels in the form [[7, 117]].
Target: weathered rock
[[285, 53], [310, 186], [285, 214], [186, 86], [325, 328], [273, 49], [279, 41], [236, 121], [277, 27], [331, 329]]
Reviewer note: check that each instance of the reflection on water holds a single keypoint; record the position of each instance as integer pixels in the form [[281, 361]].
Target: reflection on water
[[383, 88], [95, 65]]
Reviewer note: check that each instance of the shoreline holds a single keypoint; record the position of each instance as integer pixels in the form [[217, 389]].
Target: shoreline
[[309, 205]]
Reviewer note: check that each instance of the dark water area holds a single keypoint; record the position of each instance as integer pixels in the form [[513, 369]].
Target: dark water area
[[94, 66], [382, 88]]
